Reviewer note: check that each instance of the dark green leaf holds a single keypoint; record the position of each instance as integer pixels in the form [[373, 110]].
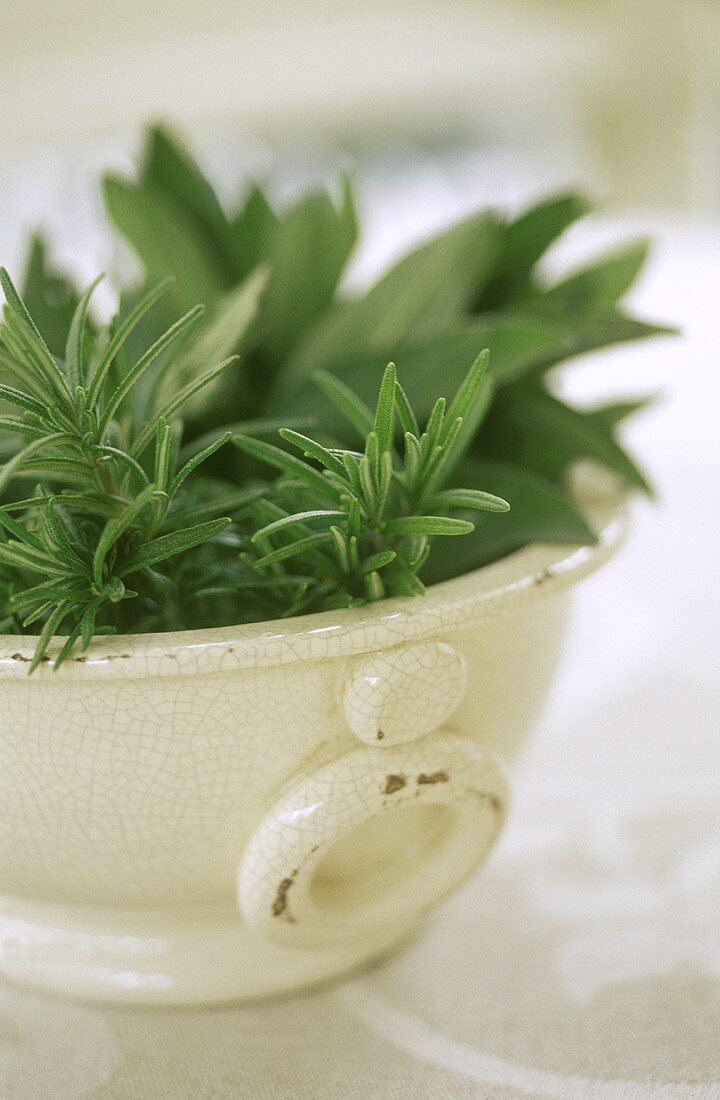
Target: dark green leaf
[[431, 286], [307, 255], [609, 416], [539, 512], [522, 244], [530, 427], [170, 165], [600, 285], [253, 230], [49, 295], [432, 364], [167, 241]]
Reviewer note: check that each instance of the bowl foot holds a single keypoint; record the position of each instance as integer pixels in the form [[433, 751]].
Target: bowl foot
[[155, 957]]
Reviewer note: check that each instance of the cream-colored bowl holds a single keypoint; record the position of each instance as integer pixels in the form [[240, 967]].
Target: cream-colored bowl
[[225, 814]]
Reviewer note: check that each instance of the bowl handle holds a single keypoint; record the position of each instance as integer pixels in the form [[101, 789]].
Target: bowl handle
[[370, 840]]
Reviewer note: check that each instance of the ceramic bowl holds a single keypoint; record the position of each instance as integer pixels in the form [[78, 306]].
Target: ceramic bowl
[[226, 814]]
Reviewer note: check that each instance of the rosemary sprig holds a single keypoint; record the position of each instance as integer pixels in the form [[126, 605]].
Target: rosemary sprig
[[122, 513], [99, 520], [361, 527]]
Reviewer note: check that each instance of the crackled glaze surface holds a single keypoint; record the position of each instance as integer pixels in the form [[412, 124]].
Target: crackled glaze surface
[[371, 839], [136, 781], [403, 693]]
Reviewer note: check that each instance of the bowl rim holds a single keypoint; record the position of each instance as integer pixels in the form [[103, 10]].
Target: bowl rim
[[532, 572]]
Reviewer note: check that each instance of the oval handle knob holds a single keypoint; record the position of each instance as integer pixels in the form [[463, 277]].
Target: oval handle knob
[[371, 839], [401, 694]]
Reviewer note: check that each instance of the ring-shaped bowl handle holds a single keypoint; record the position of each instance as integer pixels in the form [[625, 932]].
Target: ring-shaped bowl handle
[[371, 839]]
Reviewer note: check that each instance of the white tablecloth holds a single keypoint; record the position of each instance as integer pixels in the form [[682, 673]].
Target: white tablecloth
[[584, 961]]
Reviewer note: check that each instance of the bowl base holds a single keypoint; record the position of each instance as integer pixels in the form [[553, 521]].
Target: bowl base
[[154, 957]]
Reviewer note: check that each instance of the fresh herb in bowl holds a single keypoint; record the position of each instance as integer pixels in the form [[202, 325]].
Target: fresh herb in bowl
[[115, 500], [156, 501]]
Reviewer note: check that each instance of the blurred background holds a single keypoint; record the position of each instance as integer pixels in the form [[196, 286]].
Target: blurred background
[[623, 95], [514, 96]]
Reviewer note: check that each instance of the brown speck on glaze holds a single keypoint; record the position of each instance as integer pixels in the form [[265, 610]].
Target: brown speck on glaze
[[280, 904], [432, 777], [394, 783]]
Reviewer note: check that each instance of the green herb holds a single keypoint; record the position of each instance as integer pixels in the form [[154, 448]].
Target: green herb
[[351, 526], [123, 508], [475, 285], [115, 513], [107, 490]]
